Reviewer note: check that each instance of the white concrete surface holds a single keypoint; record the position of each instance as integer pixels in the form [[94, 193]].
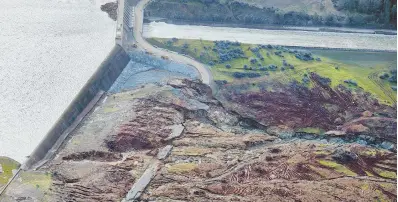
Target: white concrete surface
[[49, 49], [274, 37]]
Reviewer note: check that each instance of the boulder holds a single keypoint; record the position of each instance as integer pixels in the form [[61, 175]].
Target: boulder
[[344, 156], [335, 133], [357, 128], [367, 114], [338, 121], [176, 131], [283, 132]]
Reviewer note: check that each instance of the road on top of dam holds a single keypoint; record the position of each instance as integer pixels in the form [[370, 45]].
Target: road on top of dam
[[142, 43]]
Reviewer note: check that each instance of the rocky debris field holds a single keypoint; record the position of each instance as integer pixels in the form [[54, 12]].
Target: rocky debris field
[[321, 112], [192, 147]]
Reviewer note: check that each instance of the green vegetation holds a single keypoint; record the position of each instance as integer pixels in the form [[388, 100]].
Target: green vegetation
[[283, 65], [7, 165], [369, 152], [322, 152], [39, 180], [182, 168], [337, 167], [385, 173]]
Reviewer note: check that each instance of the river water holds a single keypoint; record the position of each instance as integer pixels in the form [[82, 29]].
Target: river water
[[49, 49], [274, 37]]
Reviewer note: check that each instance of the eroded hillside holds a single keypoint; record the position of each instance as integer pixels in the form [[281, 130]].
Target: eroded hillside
[[348, 13], [197, 149]]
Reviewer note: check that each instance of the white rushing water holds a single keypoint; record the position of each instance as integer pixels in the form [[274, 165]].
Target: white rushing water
[[274, 37], [49, 49]]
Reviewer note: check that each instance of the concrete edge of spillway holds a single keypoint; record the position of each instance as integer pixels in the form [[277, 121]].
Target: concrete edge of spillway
[[82, 104]]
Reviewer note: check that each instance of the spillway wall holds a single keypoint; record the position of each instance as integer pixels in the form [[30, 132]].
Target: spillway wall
[[101, 80]]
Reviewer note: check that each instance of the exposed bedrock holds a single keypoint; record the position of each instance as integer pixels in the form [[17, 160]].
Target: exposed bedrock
[[235, 149]]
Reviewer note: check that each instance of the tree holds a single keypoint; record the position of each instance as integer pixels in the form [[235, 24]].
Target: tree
[[394, 12], [253, 60], [387, 11], [185, 46], [239, 75]]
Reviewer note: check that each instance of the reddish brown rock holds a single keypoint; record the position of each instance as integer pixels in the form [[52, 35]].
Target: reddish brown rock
[[357, 128], [367, 114]]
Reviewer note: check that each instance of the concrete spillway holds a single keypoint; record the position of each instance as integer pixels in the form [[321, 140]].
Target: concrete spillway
[[100, 82], [97, 85]]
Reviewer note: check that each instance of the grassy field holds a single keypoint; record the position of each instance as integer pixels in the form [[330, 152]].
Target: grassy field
[[7, 165], [364, 75]]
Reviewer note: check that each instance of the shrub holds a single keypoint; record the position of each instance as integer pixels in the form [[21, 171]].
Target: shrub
[[253, 75], [169, 43], [306, 80], [269, 46], [220, 82], [282, 68], [324, 80], [185, 46], [254, 50], [229, 54], [239, 75], [253, 60], [211, 63], [305, 56], [350, 81], [284, 63], [393, 78], [291, 66], [272, 67], [263, 68], [318, 59], [268, 55], [174, 39], [228, 66], [384, 75], [279, 53], [245, 67]]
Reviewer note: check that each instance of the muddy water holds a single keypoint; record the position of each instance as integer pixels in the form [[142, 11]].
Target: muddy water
[[49, 49], [274, 37]]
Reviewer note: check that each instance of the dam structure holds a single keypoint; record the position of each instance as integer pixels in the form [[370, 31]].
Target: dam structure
[[130, 55], [95, 88]]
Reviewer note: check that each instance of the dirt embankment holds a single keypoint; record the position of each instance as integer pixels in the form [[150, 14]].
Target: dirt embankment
[[244, 13], [208, 151]]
